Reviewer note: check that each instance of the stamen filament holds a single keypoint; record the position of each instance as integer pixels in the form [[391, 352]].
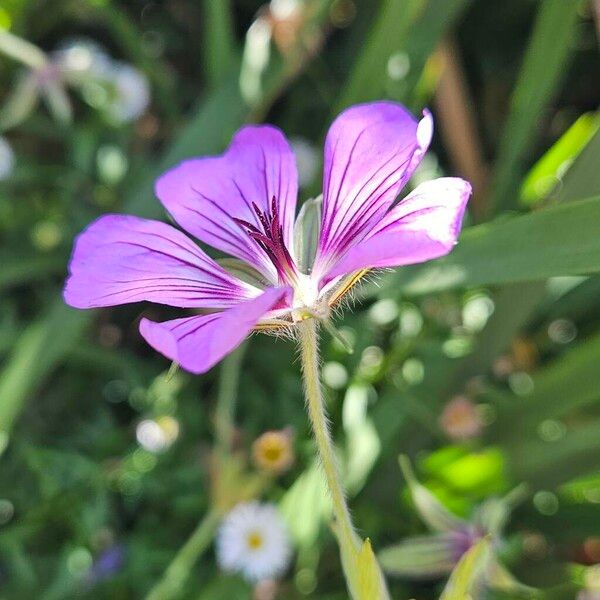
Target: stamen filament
[[271, 241]]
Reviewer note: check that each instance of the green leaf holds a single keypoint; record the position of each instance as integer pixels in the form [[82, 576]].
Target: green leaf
[[516, 304], [434, 20], [547, 172], [543, 68], [468, 572], [37, 351], [387, 36], [480, 472], [26, 269], [567, 383], [548, 464], [220, 49], [562, 240], [583, 178], [409, 30]]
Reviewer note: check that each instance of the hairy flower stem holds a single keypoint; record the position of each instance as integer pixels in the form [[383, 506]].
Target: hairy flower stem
[[350, 543]]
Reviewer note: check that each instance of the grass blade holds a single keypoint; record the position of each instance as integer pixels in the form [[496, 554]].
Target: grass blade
[[220, 46], [542, 70], [387, 35]]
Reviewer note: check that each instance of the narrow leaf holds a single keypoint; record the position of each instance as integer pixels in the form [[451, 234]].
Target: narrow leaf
[[547, 172], [542, 70], [219, 48], [387, 35]]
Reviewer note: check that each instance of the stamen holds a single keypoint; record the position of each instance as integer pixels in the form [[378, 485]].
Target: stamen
[[271, 240]]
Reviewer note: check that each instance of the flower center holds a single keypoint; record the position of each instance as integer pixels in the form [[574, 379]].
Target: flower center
[[273, 453], [254, 540], [268, 234]]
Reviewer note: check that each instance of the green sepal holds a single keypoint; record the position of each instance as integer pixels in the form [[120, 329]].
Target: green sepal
[[306, 233], [243, 271], [419, 557], [432, 511]]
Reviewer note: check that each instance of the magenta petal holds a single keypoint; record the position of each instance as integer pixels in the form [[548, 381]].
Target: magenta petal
[[371, 151], [198, 343], [205, 195], [425, 225], [120, 259]]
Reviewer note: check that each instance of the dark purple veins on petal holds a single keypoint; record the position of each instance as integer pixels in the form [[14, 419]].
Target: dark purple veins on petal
[[268, 234]]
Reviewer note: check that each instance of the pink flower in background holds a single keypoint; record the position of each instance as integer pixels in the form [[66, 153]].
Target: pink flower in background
[[461, 419], [243, 203]]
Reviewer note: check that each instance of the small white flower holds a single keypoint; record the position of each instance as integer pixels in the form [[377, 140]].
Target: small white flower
[[132, 92], [7, 159], [81, 57], [253, 540]]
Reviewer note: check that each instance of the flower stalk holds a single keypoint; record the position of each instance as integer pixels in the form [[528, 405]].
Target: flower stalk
[[226, 400], [316, 411], [176, 574], [363, 575]]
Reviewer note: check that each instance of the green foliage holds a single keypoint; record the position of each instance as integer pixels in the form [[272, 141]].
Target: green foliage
[[543, 66]]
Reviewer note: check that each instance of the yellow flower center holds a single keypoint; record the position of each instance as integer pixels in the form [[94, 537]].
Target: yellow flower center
[[254, 540], [273, 451]]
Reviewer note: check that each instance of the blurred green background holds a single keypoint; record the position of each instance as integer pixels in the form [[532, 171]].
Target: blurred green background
[[483, 367]]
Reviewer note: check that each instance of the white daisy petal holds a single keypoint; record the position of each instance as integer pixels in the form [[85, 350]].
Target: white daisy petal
[[132, 92], [7, 159], [254, 541]]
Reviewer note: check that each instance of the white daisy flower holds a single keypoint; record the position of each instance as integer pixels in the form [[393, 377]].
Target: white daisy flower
[[253, 540], [132, 92], [7, 159], [78, 58]]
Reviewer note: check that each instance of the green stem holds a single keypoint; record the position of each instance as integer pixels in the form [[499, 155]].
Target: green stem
[[226, 397], [363, 574], [176, 574], [21, 50], [348, 539]]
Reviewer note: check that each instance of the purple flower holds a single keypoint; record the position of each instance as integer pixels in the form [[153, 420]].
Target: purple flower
[[438, 553], [244, 204], [107, 564]]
